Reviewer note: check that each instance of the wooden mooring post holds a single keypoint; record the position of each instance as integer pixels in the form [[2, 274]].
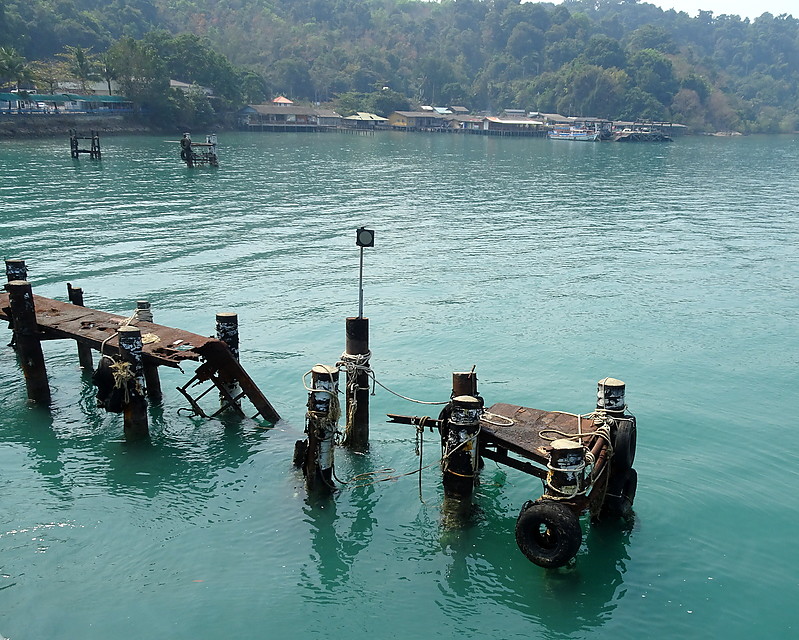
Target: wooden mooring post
[[459, 428], [93, 150], [227, 330], [459, 446], [144, 313], [134, 404], [28, 344], [16, 270], [85, 360], [356, 359], [315, 455]]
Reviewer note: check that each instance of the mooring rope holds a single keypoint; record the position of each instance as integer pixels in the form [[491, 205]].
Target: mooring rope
[[510, 421], [123, 374], [123, 323]]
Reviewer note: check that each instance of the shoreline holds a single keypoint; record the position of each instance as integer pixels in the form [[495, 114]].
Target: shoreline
[[52, 125], [14, 126]]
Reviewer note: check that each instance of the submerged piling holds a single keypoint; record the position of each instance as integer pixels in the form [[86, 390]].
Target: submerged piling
[[134, 405], [85, 359], [26, 334], [356, 359], [321, 426], [459, 429]]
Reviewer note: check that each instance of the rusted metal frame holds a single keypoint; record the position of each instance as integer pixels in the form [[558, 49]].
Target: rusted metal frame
[[196, 407], [230, 401], [414, 420], [500, 455], [217, 354]]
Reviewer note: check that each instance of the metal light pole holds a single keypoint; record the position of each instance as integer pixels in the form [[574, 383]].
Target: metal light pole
[[364, 238]]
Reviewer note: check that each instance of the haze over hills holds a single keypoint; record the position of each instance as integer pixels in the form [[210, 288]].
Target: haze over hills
[[623, 60]]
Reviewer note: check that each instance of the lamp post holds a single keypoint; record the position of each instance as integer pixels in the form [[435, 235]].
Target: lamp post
[[364, 238], [356, 358]]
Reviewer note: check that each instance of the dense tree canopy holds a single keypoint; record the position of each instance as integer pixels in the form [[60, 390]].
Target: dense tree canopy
[[599, 57]]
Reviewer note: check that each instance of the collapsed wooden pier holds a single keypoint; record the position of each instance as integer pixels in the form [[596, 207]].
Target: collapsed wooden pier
[[141, 343], [94, 145], [584, 461]]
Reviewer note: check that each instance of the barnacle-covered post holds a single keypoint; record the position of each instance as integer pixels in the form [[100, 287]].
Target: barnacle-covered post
[[623, 481], [321, 423], [85, 359], [144, 313], [227, 330], [610, 396], [356, 361], [566, 470], [131, 379], [460, 425], [16, 269], [26, 335]]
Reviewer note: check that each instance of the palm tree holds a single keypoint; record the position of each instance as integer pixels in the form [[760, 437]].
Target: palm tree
[[80, 64], [107, 69], [13, 66]]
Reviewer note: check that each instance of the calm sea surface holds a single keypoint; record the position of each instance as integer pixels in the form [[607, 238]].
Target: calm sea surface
[[548, 265]]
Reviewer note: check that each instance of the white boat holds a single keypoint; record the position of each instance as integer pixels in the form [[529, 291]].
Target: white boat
[[579, 134]]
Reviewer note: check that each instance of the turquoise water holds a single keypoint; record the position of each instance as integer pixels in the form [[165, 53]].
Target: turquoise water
[[547, 265]]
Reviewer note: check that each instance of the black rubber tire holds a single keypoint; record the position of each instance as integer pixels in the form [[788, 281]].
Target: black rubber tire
[[624, 444], [620, 496], [548, 533]]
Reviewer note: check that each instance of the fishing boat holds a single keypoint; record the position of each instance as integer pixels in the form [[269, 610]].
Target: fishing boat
[[579, 134]]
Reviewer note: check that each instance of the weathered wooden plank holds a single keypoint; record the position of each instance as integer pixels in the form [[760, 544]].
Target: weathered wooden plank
[[64, 320]]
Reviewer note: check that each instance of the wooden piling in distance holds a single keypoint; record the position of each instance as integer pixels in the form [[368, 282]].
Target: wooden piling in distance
[[16, 270], [29, 347], [321, 425], [85, 360], [152, 381], [356, 359], [227, 330], [134, 405]]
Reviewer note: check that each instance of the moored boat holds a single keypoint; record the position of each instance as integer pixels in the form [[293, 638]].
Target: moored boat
[[579, 134]]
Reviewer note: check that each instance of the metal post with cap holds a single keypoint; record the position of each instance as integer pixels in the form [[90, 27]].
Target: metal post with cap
[[356, 359]]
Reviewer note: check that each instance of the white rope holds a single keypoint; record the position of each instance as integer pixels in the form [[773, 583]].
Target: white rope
[[510, 421]]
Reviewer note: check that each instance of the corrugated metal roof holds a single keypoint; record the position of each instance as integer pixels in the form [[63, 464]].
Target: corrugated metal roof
[[267, 109], [418, 114], [369, 117], [513, 120]]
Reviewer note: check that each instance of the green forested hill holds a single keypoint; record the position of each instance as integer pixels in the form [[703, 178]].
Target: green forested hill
[[621, 60]]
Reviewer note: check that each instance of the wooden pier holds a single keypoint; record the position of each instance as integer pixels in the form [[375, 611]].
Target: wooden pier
[[94, 146], [584, 461], [160, 346]]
